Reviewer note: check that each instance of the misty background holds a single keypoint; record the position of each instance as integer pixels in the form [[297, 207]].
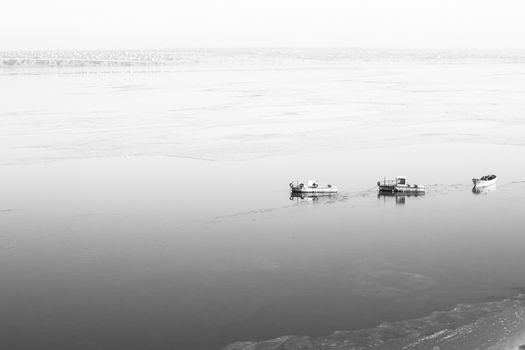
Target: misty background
[[157, 24]]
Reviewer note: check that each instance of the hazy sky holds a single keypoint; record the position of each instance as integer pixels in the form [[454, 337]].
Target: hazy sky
[[106, 24]]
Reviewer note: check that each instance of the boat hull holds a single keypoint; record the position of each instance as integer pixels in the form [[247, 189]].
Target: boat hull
[[311, 196], [484, 183], [314, 190], [402, 189]]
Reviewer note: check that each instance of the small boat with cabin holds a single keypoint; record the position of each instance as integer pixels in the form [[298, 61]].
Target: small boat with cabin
[[483, 181], [312, 186], [399, 185]]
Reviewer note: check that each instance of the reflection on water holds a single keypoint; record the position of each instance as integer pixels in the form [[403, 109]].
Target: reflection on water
[[398, 198], [484, 190]]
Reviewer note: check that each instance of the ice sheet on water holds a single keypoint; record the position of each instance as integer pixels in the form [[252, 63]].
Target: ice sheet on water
[[241, 57], [248, 104], [491, 325]]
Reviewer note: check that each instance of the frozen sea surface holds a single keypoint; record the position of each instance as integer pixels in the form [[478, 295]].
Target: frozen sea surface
[[250, 106], [148, 207]]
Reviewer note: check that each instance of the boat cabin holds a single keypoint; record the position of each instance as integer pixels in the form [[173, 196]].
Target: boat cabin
[[312, 184], [401, 180]]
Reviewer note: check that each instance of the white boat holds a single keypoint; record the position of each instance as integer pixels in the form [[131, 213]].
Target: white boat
[[486, 180], [311, 187], [399, 185]]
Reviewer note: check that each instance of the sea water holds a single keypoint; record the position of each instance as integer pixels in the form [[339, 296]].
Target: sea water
[[147, 206]]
